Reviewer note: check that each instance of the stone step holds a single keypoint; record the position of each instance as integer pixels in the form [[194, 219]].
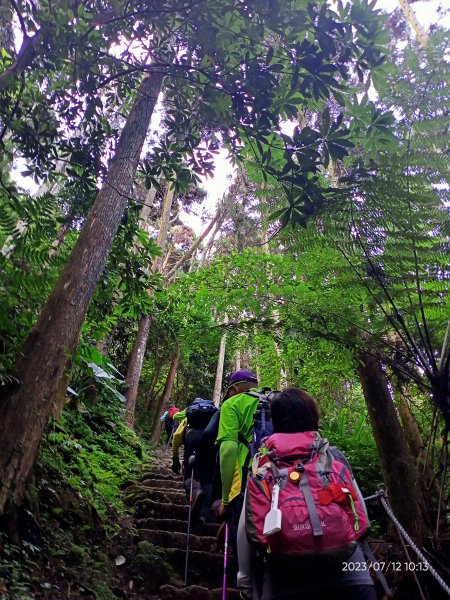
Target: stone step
[[178, 539], [151, 475], [163, 482], [195, 592], [148, 508], [208, 529], [156, 495], [162, 471], [204, 568]]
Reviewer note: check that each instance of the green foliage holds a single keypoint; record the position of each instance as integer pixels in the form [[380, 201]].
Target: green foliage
[[27, 271], [94, 454], [16, 567], [349, 430]]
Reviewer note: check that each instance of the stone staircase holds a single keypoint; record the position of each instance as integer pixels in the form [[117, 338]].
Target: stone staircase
[[161, 522]]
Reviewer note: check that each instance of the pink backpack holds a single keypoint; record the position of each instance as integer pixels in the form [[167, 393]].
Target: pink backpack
[[321, 514], [172, 411]]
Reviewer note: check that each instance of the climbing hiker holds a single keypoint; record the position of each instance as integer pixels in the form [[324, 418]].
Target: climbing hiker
[[167, 418], [178, 430], [289, 548], [208, 468], [197, 416], [235, 434]]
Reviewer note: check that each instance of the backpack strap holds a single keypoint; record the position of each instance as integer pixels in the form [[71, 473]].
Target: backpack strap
[[262, 397], [310, 504], [340, 456]]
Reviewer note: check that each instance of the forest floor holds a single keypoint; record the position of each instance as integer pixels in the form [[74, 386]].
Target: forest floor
[[69, 551]]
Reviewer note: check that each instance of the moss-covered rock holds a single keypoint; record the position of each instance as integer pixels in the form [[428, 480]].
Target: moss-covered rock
[[150, 566]]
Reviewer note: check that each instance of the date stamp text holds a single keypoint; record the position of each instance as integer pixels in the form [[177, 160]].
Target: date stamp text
[[384, 566]]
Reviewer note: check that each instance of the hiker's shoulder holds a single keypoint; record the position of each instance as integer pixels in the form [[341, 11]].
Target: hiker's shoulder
[[180, 415], [239, 402], [250, 395]]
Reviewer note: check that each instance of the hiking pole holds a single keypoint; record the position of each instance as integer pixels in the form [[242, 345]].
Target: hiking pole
[[225, 556], [190, 463]]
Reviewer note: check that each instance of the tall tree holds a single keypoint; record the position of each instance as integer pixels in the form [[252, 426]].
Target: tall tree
[[167, 392], [140, 343], [219, 367], [42, 369], [396, 459]]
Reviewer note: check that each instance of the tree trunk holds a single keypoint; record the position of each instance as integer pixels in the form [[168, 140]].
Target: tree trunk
[[44, 358], [167, 392], [205, 255], [412, 20], [140, 343], [164, 226], [409, 423], [136, 360], [237, 359], [135, 368], [146, 209], [61, 237], [24, 59], [219, 370], [399, 471], [151, 390]]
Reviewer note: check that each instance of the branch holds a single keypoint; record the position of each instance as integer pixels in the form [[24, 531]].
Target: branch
[[218, 218], [20, 18], [9, 120], [112, 17], [24, 59]]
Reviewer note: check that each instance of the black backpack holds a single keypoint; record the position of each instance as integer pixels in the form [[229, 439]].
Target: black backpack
[[199, 413]]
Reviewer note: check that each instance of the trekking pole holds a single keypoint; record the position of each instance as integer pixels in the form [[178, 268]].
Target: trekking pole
[[191, 463], [225, 556]]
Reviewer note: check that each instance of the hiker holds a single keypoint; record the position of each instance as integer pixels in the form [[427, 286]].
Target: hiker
[[271, 565], [179, 428], [189, 432], [208, 467], [235, 433], [167, 418]]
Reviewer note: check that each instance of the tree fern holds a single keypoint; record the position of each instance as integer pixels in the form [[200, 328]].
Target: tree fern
[[392, 223]]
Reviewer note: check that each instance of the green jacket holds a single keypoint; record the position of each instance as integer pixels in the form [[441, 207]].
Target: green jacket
[[236, 417]]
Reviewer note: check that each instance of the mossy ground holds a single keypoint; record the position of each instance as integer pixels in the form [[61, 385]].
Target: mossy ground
[[65, 543]]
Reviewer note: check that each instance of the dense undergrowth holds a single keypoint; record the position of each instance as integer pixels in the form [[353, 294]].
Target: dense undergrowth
[[65, 543]]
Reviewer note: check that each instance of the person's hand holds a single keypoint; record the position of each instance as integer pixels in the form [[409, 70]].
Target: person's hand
[[176, 466], [224, 511]]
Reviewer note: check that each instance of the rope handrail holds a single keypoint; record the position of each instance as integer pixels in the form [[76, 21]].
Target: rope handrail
[[382, 496]]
